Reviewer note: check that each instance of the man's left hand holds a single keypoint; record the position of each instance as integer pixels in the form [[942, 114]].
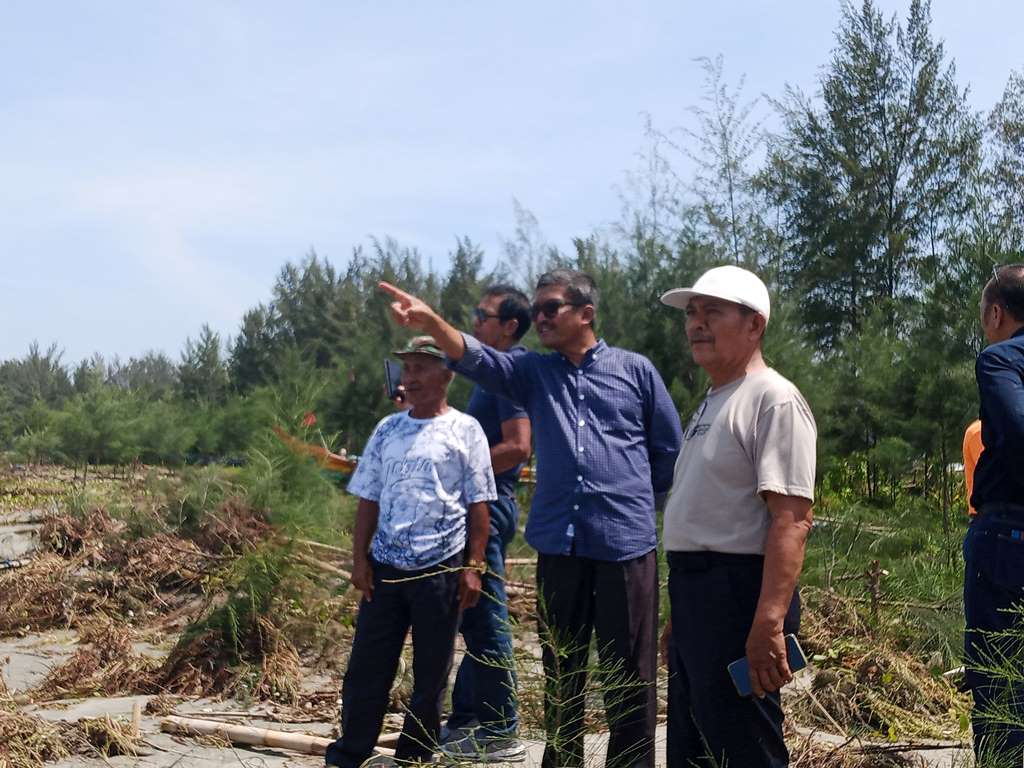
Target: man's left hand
[[470, 585], [769, 665]]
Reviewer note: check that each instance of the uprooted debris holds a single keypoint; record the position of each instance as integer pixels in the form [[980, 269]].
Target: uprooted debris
[[105, 735], [43, 594], [270, 668], [810, 753], [80, 535], [232, 528], [28, 741], [106, 664], [865, 685]]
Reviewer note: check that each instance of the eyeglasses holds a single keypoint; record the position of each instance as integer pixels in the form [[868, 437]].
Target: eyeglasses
[[995, 276], [482, 315], [551, 307]]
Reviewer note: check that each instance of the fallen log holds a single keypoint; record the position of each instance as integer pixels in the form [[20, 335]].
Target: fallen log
[[251, 735]]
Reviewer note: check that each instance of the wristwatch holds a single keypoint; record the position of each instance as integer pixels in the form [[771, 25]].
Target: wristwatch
[[477, 565]]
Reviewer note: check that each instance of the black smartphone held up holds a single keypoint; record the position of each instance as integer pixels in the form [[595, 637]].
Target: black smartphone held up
[[392, 379], [739, 670]]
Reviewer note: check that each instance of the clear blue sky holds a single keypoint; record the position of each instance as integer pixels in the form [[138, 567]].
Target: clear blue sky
[[162, 160]]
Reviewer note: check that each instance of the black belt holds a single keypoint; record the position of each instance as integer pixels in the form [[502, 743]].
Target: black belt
[[1002, 509], [703, 561]]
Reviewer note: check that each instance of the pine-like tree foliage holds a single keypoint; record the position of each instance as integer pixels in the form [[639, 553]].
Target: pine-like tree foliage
[[870, 180]]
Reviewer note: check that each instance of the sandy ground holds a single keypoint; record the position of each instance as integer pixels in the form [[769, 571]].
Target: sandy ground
[[28, 658]]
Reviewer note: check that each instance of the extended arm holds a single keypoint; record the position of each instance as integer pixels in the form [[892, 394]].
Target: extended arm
[[411, 312], [495, 371]]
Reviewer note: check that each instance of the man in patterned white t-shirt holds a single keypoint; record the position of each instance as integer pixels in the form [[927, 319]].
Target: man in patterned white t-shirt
[[423, 482]]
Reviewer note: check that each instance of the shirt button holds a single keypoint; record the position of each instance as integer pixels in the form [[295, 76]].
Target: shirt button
[[581, 449], [575, 506], [581, 396], [579, 478], [581, 422]]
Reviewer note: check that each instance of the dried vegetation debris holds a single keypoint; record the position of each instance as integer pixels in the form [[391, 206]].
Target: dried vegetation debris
[[105, 664], [89, 565], [29, 741], [867, 686], [808, 752], [270, 668], [232, 528], [121, 572]]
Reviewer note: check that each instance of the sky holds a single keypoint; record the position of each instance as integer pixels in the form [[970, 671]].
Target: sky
[[161, 161]]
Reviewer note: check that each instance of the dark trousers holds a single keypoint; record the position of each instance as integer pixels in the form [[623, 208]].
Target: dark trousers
[[618, 600], [713, 598], [427, 601], [485, 685], [993, 584]]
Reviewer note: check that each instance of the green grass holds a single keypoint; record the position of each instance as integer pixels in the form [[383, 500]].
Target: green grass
[[921, 607]]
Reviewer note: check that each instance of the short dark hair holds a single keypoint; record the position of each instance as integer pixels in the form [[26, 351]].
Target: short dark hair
[[580, 287], [514, 306], [1006, 288]]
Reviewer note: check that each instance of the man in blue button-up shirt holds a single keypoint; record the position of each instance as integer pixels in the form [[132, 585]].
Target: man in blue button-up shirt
[[994, 545], [607, 435]]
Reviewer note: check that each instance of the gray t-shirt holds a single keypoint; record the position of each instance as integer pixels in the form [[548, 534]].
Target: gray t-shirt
[[753, 435]]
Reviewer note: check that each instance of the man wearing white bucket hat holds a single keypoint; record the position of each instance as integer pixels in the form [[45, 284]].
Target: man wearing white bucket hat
[[736, 522]]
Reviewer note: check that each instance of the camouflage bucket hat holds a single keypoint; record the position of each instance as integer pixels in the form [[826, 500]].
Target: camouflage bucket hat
[[421, 345]]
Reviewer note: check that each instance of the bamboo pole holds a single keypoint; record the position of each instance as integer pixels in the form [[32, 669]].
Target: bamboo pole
[[251, 735], [322, 566], [327, 547], [246, 734]]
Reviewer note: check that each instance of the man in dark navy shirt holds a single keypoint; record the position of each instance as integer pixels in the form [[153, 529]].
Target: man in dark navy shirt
[[607, 435], [484, 722], [994, 546]]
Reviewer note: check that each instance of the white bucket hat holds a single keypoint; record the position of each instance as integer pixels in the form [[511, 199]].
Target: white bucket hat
[[733, 284]]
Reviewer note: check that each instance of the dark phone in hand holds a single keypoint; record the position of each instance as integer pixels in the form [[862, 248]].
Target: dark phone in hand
[[739, 670], [392, 379]]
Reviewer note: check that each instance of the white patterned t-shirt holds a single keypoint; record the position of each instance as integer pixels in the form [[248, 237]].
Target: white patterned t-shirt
[[424, 474]]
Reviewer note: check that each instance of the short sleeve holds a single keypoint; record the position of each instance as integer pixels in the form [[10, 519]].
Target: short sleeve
[[786, 443], [367, 480], [478, 483], [509, 410]]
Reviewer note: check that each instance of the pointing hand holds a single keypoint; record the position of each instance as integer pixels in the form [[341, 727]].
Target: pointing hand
[[407, 310]]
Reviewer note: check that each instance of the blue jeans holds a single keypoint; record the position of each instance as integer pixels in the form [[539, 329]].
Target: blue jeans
[[485, 686], [993, 584]]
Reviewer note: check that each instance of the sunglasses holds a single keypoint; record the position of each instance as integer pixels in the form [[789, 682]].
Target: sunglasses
[[551, 307], [482, 316]]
